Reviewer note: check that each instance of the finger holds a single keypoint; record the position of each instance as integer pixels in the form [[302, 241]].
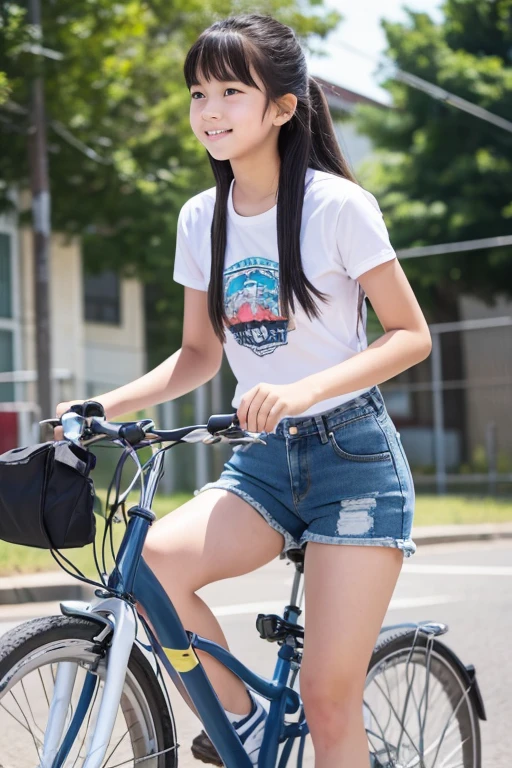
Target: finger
[[263, 420], [254, 409], [275, 415], [243, 408], [58, 433]]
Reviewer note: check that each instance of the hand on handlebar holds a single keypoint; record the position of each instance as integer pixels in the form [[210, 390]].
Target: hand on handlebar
[[81, 407]]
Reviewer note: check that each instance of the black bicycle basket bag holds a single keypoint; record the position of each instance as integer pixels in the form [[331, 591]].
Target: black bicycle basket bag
[[47, 496]]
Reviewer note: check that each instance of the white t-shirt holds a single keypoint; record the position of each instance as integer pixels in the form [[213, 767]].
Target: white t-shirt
[[343, 235]]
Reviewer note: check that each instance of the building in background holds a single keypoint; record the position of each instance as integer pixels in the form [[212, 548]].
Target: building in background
[[97, 330]]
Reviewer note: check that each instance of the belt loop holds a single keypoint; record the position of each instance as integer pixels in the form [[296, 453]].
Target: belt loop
[[320, 423], [377, 400]]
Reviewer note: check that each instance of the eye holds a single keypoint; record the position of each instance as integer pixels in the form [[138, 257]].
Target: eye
[[233, 89], [196, 93]]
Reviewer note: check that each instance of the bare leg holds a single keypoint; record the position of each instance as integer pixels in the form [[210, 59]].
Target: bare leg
[[348, 590], [216, 535]]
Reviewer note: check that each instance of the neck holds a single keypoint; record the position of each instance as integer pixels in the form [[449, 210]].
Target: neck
[[257, 176]]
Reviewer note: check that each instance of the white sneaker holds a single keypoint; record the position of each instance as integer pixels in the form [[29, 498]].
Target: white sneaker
[[250, 730]]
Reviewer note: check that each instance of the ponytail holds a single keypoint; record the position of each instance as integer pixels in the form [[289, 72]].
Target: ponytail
[[325, 152]]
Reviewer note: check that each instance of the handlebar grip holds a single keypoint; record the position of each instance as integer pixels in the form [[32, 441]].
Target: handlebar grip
[[221, 421], [132, 432]]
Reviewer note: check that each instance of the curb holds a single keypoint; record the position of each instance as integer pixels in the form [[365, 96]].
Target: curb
[[42, 587], [446, 534], [45, 587]]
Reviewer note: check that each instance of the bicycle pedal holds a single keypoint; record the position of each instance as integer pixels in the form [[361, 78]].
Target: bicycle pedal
[[275, 629], [203, 749]]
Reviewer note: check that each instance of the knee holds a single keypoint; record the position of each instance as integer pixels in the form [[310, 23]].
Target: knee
[[168, 566], [333, 704]]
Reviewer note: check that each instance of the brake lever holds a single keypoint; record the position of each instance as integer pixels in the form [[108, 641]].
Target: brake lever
[[51, 422], [234, 436]]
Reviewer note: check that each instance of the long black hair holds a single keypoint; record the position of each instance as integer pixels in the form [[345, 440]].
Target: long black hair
[[225, 51]]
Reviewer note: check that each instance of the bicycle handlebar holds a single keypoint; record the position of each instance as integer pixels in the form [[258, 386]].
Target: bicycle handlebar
[[85, 420], [135, 431]]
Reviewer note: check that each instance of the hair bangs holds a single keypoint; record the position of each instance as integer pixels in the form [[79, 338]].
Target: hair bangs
[[222, 56]]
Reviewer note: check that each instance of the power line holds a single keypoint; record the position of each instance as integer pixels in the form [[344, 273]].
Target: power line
[[441, 94], [63, 132], [464, 245]]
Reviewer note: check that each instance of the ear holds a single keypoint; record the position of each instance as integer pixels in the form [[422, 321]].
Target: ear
[[286, 107]]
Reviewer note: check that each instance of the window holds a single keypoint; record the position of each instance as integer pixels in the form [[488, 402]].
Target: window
[[5, 276], [6, 365], [102, 303]]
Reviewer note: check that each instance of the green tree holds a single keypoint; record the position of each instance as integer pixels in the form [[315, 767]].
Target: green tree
[[114, 81], [441, 174]]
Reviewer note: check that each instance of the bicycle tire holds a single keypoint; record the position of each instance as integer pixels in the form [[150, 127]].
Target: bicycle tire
[[399, 644], [21, 642]]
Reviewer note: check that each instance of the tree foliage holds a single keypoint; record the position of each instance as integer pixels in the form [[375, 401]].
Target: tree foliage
[[443, 175], [122, 157]]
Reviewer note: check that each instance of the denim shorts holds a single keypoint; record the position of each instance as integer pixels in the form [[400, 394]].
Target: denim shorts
[[338, 477]]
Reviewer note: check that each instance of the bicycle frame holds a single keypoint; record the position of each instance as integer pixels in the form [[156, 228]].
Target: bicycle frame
[[132, 580]]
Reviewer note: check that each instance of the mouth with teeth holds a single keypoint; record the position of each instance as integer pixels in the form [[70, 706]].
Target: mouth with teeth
[[218, 134]]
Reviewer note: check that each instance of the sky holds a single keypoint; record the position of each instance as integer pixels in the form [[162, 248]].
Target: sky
[[361, 29]]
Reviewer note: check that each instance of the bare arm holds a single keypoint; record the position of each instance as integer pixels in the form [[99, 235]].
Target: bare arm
[[195, 363], [405, 343]]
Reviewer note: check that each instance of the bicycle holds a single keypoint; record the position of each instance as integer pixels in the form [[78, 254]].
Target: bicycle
[[98, 697]]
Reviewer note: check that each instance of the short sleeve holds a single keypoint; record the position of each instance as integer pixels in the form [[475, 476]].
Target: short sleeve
[[187, 269], [361, 234]]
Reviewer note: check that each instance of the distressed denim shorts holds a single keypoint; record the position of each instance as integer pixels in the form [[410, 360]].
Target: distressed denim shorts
[[338, 477]]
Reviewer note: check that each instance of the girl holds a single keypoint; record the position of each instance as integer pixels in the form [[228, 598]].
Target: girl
[[276, 260]]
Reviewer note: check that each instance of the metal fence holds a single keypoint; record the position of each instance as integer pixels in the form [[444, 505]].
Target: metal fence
[[453, 411]]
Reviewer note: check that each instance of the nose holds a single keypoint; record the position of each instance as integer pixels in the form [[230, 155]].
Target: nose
[[211, 111], [209, 115]]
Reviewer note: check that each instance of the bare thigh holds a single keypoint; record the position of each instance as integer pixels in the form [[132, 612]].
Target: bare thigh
[[348, 590], [215, 535]]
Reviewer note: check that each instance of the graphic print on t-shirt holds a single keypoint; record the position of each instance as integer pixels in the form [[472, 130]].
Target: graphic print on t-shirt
[[251, 301]]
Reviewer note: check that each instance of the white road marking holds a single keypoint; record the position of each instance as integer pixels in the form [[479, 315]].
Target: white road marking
[[459, 570], [449, 570], [276, 606]]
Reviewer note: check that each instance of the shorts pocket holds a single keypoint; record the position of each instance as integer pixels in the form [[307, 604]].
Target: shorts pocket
[[352, 439]]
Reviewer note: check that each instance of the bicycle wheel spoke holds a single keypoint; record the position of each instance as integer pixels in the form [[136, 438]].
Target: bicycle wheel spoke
[[140, 760], [385, 742], [395, 713], [23, 725], [406, 703], [425, 693], [452, 716], [41, 737], [28, 728], [44, 688], [126, 733], [459, 763]]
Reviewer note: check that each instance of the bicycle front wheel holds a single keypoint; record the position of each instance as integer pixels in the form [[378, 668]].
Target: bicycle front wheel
[[36, 654]]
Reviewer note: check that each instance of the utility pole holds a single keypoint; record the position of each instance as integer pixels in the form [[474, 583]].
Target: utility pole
[[38, 162]]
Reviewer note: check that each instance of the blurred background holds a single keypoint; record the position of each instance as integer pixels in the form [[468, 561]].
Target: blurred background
[[97, 157]]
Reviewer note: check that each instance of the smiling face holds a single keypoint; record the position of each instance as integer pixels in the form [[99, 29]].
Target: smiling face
[[239, 109]]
